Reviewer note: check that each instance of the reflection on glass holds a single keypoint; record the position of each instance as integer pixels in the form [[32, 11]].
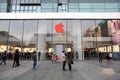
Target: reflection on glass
[[30, 31], [15, 34], [4, 28], [89, 36]]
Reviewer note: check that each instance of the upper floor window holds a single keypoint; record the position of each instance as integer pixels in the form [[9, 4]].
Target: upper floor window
[[26, 8]]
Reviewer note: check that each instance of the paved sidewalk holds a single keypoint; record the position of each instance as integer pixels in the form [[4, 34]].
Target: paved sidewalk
[[82, 70]]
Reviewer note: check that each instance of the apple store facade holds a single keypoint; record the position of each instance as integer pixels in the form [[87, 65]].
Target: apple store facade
[[42, 32], [51, 26]]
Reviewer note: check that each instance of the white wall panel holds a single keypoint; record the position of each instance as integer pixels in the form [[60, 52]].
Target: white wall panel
[[59, 15]]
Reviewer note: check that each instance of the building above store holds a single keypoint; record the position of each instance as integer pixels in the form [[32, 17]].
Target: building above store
[[39, 6]]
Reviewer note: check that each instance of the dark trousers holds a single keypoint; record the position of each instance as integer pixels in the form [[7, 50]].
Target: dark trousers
[[70, 67], [64, 63], [100, 60], [16, 63], [34, 64], [3, 61]]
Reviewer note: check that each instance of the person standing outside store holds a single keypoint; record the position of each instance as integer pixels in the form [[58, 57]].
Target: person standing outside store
[[4, 57], [76, 54], [34, 60], [16, 58], [110, 55], [100, 57], [64, 60], [69, 60], [39, 54], [53, 58]]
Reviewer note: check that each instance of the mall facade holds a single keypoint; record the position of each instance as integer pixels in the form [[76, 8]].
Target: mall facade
[[51, 26]]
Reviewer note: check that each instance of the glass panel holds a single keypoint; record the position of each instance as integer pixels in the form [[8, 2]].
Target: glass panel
[[49, 1], [85, 10], [73, 10], [3, 1], [18, 1], [22, 8], [26, 11], [17, 11], [4, 31], [55, 10], [98, 5], [16, 33], [112, 10], [85, 5], [47, 5], [29, 37], [111, 5], [4, 5], [119, 5], [73, 5], [3, 10], [98, 10], [13, 11], [47, 10], [55, 5], [34, 8], [17, 7], [31, 11], [38, 8], [14, 1], [21, 11], [0, 6], [64, 8], [30, 8], [59, 8], [13, 7], [34, 11], [26, 8]]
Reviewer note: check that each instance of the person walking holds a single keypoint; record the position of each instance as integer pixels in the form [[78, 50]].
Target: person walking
[[69, 60], [39, 54], [53, 58], [16, 58], [4, 57], [76, 54], [108, 58], [110, 55], [100, 57], [64, 60], [34, 60]]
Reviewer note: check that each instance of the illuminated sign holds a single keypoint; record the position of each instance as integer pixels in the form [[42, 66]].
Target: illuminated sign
[[59, 28]]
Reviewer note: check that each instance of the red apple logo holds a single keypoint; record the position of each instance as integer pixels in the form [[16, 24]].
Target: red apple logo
[[59, 28]]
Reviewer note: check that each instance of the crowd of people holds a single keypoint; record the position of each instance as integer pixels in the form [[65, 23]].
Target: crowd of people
[[23, 55], [107, 56], [16, 56], [67, 57]]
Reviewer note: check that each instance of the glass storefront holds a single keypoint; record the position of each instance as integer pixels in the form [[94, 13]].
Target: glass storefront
[[85, 36]]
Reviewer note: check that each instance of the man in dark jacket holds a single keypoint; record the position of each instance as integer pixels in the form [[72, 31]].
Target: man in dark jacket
[[100, 57], [16, 58]]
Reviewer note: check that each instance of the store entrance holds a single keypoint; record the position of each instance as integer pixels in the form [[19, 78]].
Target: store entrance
[[58, 48]]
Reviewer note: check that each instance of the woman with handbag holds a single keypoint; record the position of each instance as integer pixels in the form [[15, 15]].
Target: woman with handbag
[[69, 60]]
